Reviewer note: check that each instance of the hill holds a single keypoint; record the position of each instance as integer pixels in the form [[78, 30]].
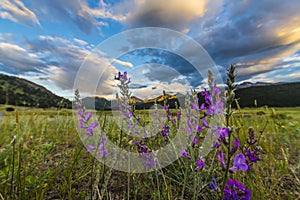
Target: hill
[[20, 92], [266, 94]]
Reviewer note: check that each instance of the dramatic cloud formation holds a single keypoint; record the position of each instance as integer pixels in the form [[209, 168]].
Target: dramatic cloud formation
[[261, 38]]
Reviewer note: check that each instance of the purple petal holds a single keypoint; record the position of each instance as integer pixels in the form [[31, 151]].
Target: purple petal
[[221, 158], [91, 147], [88, 116]]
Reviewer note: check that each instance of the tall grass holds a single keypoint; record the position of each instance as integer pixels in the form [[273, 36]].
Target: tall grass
[[47, 160]]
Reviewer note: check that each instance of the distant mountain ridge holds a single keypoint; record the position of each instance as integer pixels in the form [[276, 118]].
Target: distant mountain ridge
[[248, 95], [269, 94], [21, 92]]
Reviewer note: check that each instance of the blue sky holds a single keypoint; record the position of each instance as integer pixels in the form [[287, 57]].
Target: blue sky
[[46, 41]]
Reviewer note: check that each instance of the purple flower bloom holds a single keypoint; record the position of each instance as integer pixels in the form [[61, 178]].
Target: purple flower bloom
[[253, 157], [222, 132], [178, 115], [90, 129], [102, 150], [195, 141], [213, 184], [202, 107], [200, 165], [205, 124], [195, 105], [166, 132], [221, 158], [142, 148], [218, 108], [91, 147], [88, 116], [148, 160], [188, 130], [130, 115], [217, 145], [208, 99], [198, 128], [183, 153], [239, 163], [204, 92], [129, 125], [216, 91], [236, 145], [235, 190], [80, 112]]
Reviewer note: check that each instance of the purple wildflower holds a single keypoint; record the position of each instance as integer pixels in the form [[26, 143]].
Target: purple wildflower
[[202, 107], [216, 90], [195, 141], [217, 145], [200, 165], [208, 99], [142, 148], [80, 113], [236, 190], [253, 157], [166, 132], [205, 124], [91, 147], [102, 150], [178, 115], [183, 153], [222, 132], [204, 92], [148, 160], [221, 158], [218, 109], [88, 116], [198, 128], [239, 163], [236, 145], [130, 115], [188, 130], [195, 105], [213, 184], [90, 129]]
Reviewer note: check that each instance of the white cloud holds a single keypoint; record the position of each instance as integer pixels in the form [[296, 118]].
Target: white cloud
[[16, 11], [122, 63], [80, 42]]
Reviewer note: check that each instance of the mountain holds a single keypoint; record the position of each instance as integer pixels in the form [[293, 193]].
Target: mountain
[[269, 94], [97, 103], [20, 92], [264, 94]]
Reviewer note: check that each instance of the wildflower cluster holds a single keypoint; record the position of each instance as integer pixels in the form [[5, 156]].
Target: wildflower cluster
[[89, 127], [228, 144], [232, 155]]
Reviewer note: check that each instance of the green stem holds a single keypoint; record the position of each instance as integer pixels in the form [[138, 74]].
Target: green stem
[[228, 113], [184, 183], [12, 172]]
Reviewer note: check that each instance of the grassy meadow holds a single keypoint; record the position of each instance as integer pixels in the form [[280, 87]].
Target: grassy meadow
[[42, 157]]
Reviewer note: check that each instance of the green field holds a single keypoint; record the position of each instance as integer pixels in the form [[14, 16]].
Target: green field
[[47, 160]]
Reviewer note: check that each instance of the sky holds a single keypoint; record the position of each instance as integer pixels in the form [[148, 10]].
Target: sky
[[60, 44]]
